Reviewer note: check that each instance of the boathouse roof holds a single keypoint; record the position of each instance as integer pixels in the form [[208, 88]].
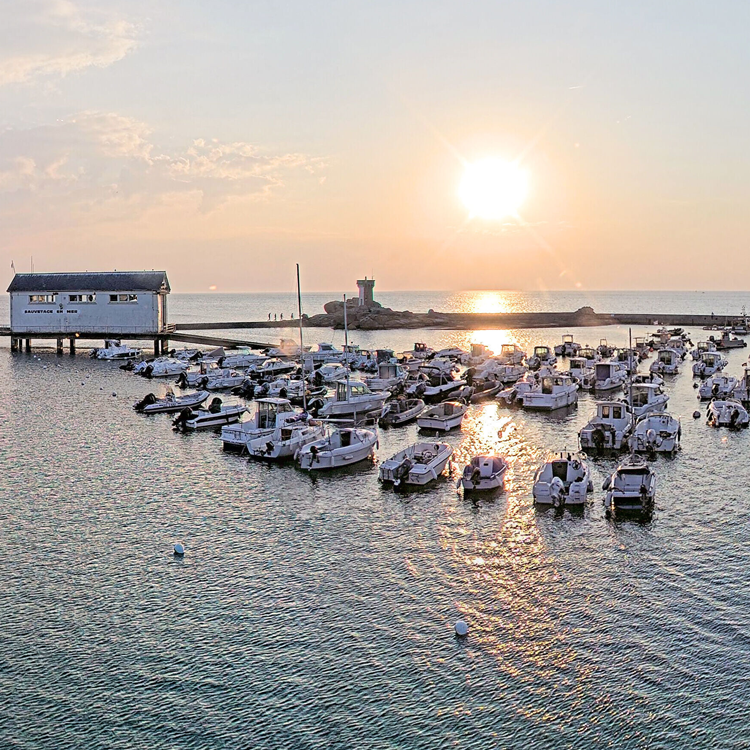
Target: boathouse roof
[[112, 281]]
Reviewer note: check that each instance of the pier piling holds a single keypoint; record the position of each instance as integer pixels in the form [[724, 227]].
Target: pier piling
[[28, 345], [59, 346], [72, 346]]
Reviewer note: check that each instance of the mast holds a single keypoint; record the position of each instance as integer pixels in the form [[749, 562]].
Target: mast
[[630, 387], [301, 349], [346, 349]]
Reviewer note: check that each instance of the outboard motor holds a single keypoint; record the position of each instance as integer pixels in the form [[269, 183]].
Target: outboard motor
[[215, 406], [149, 371], [182, 418], [314, 406], [147, 400], [557, 492], [182, 380]]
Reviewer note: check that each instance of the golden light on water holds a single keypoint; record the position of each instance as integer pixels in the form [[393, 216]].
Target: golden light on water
[[493, 189]]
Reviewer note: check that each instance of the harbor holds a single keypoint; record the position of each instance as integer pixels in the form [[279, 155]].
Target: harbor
[[332, 583]]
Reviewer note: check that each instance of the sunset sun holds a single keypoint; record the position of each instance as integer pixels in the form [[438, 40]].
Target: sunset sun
[[493, 188]]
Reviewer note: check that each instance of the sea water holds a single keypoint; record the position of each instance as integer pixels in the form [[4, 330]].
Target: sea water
[[318, 612]]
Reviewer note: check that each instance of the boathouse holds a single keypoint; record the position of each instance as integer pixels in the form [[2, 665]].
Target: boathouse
[[119, 304]]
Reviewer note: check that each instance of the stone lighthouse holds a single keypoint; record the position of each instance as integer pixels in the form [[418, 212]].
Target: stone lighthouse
[[366, 287]]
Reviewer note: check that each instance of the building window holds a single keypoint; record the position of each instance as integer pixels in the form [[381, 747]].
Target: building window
[[81, 298], [123, 298], [44, 299]]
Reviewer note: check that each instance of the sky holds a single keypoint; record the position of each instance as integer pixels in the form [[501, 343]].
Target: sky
[[226, 141]]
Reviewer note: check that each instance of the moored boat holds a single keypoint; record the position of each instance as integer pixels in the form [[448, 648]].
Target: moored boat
[[150, 404], [342, 446], [562, 480], [631, 487], [401, 411], [483, 473], [216, 415], [444, 416], [418, 464]]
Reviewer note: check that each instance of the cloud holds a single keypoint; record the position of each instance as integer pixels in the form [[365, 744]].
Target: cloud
[[41, 39], [99, 165]]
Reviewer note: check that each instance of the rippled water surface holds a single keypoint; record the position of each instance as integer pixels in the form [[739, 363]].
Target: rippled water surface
[[318, 612]]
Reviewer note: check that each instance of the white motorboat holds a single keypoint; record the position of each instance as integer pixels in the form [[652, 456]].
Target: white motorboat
[[271, 368], [727, 413], [568, 347], [444, 416], [667, 362], [645, 397], [608, 376], [451, 353], [113, 350], [656, 433], [418, 464], [341, 447], [287, 440], [709, 364], [483, 473], [329, 373], [552, 392], [150, 404], [590, 355], [580, 371], [631, 487], [493, 368], [401, 411], [434, 385], [266, 414], [163, 367], [324, 353], [702, 348], [244, 360], [350, 398], [288, 348], [216, 415], [719, 386], [516, 392], [510, 354], [478, 355], [563, 480], [609, 428], [219, 380], [483, 389], [627, 359], [679, 344], [543, 356], [389, 376]]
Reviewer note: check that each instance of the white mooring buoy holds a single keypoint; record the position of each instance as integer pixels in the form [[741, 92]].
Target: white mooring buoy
[[179, 550], [462, 629]]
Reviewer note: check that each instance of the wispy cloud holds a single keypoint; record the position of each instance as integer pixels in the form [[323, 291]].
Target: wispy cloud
[[106, 159], [42, 39]]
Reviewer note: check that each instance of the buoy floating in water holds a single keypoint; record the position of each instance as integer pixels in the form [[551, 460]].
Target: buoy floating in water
[[696, 414], [179, 550], [462, 629]]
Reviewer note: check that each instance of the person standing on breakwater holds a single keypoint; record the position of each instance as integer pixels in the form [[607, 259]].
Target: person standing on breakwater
[[269, 316], [274, 316], [282, 316]]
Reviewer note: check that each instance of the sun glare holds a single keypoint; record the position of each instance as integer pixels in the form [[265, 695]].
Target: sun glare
[[493, 188]]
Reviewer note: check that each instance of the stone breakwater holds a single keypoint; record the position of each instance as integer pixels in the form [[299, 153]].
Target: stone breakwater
[[377, 318]]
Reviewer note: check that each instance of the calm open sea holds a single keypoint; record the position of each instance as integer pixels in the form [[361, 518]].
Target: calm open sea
[[318, 612]]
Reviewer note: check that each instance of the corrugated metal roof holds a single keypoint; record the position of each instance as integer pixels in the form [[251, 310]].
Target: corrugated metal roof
[[115, 281]]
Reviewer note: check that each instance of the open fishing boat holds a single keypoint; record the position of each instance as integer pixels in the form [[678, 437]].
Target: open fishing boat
[[266, 414], [727, 413], [286, 440], [216, 415], [340, 447], [631, 487], [444, 416], [483, 473], [150, 404], [401, 411], [418, 464]]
